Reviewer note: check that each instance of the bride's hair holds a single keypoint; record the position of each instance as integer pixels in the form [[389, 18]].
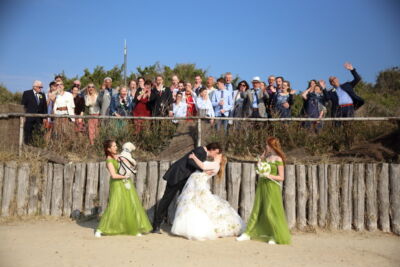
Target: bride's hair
[[274, 143], [221, 171]]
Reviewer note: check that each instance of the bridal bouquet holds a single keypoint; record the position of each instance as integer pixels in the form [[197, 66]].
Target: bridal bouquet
[[263, 168]]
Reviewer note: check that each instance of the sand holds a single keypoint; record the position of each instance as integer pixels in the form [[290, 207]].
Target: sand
[[51, 242]]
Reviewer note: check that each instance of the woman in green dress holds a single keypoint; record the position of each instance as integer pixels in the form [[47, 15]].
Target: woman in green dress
[[267, 221], [125, 214]]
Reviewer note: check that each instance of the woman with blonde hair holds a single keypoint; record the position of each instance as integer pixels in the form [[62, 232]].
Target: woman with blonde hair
[[267, 221], [200, 215], [92, 108]]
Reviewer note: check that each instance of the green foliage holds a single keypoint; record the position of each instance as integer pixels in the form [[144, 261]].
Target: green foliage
[[6, 97]]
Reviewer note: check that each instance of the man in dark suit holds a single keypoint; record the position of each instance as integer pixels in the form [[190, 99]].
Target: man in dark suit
[[160, 99], [342, 96], [177, 176], [34, 101]]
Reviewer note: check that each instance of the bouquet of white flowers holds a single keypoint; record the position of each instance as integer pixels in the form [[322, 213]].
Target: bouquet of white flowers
[[263, 168]]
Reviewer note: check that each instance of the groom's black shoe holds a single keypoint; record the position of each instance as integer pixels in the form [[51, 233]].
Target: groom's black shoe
[[156, 230]]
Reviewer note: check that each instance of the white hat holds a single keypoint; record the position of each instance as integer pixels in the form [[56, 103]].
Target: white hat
[[107, 78], [256, 79]]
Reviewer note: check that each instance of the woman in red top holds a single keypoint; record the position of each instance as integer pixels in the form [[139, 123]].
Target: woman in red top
[[190, 101], [142, 108]]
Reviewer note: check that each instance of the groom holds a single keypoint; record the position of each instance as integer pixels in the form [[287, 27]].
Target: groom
[[177, 176]]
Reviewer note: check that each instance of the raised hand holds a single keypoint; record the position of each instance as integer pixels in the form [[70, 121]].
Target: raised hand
[[348, 66], [322, 83]]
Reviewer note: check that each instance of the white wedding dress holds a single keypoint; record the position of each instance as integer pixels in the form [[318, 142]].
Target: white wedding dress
[[200, 215]]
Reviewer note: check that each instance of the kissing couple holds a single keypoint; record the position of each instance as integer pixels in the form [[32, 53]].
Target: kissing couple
[[200, 215]]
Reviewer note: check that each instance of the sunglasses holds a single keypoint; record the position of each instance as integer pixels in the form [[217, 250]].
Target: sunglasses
[[90, 87], [39, 87], [59, 84]]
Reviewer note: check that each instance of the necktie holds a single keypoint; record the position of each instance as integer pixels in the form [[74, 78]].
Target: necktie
[[37, 99], [255, 93], [222, 94]]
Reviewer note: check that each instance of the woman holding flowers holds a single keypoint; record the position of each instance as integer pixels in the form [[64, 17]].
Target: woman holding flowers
[[267, 221]]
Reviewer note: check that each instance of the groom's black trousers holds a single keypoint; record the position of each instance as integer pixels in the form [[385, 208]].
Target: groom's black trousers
[[162, 207]]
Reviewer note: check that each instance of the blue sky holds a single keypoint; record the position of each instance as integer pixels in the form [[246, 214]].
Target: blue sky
[[299, 40]]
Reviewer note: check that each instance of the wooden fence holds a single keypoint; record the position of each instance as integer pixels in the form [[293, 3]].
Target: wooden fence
[[348, 196]]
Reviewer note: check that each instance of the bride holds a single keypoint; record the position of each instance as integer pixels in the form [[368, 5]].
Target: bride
[[200, 215]]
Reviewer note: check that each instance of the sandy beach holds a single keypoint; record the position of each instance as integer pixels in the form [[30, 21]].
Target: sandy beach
[[61, 242]]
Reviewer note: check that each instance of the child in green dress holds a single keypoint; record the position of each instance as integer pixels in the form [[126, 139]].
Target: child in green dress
[[267, 221], [124, 214]]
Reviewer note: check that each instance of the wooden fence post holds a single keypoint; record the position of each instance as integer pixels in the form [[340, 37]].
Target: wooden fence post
[[395, 197], [164, 166], [346, 196], [141, 179], [1, 182], [383, 198], [323, 194], [313, 195], [33, 194], [302, 195], [233, 183], [22, 189], [92, 181], [247, 192], [57, 191], [333, 196], [104, 188], [9, 185], [290, 195], [79, 187], [219, 187], [358, 197], [69, 171], [150, 194], [47, 187], [370, 197]]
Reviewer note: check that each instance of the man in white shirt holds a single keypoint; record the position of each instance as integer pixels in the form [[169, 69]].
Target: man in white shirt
[[64, 104]]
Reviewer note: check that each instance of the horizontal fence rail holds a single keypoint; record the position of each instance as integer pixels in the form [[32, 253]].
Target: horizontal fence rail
[[328, 196]]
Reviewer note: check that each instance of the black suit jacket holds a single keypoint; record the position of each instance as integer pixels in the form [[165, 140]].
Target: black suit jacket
[[31, 106], [184, 167], [349, 88], [161, 104]]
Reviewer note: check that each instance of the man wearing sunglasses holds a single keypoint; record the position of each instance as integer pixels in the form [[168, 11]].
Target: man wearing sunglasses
[[34, 101]]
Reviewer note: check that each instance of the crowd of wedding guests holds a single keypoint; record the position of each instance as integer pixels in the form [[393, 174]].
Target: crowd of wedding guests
[[211, 98]]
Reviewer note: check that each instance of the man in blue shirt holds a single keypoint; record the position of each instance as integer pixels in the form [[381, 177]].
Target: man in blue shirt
[[222, 102], [344, 99]]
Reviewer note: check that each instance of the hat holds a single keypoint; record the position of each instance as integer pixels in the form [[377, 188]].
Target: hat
[[256, 79], [107, 78]]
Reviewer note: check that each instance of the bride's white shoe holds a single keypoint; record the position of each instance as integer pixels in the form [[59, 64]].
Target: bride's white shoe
[[97, 234], [243, 237], [272, 242], [139, 234]]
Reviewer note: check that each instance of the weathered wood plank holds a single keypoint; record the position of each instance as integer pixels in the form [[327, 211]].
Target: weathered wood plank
[[394, 174], [323, 195], [248, 187], [104, 189], [290, 195], [22, 189], [219, 185], [301, 195], [358, 196], [141, 179], [57, 190], [69, 171], [33, 199], [383, 198], [9, 186], [1, 182], [47, 187], [371, 197], [92, 182], [164, 166], [150, 194], [234, 176], [78, 191], [312, 187], [346, 185], [333, 196]]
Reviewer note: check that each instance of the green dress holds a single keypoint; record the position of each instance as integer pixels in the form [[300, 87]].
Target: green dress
[[267, 220], [124, 214]]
